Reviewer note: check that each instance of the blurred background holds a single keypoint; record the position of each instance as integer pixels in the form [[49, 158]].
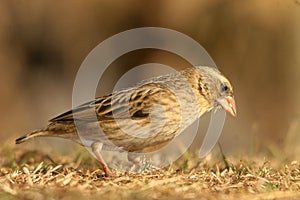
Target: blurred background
[[254, 43]]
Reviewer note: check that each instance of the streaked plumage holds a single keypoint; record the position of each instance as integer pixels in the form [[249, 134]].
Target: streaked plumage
[[183, 97]]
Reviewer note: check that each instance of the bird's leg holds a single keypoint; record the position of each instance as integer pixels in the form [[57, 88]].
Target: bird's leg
[[132, 157], [135, 160], [96, 147]]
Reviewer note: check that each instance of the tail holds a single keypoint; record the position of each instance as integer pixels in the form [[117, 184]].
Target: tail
[[28, 136]]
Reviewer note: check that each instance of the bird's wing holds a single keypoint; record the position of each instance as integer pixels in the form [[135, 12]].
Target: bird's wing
[[134, 103], [85, 111]]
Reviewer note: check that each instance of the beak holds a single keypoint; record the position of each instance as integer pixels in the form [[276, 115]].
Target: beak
[[228, 103]]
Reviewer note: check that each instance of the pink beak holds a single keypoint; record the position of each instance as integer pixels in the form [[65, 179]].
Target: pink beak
[[228, 103]]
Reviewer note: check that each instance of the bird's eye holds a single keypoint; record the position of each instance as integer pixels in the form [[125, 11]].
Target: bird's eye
[[224, 88]]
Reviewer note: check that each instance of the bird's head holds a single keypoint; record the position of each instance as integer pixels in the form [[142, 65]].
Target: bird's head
[[216, 88]]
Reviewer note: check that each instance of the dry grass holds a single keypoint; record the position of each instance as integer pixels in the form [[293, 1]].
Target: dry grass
[[32, 175]]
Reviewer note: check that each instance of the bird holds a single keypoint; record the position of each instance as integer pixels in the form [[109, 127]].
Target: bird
[[123, 116]]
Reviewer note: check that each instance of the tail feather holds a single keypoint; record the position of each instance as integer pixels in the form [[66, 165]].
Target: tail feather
[[31, 135]]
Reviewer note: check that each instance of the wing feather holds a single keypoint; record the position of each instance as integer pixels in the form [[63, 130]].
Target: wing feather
[[120, 105]]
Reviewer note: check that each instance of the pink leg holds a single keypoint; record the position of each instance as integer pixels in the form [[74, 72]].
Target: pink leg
[[96, 147]]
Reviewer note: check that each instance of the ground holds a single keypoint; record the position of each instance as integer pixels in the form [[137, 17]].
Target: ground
[[26, 174]]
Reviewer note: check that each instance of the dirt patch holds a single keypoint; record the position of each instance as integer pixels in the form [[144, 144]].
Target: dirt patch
[[33, 175]]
